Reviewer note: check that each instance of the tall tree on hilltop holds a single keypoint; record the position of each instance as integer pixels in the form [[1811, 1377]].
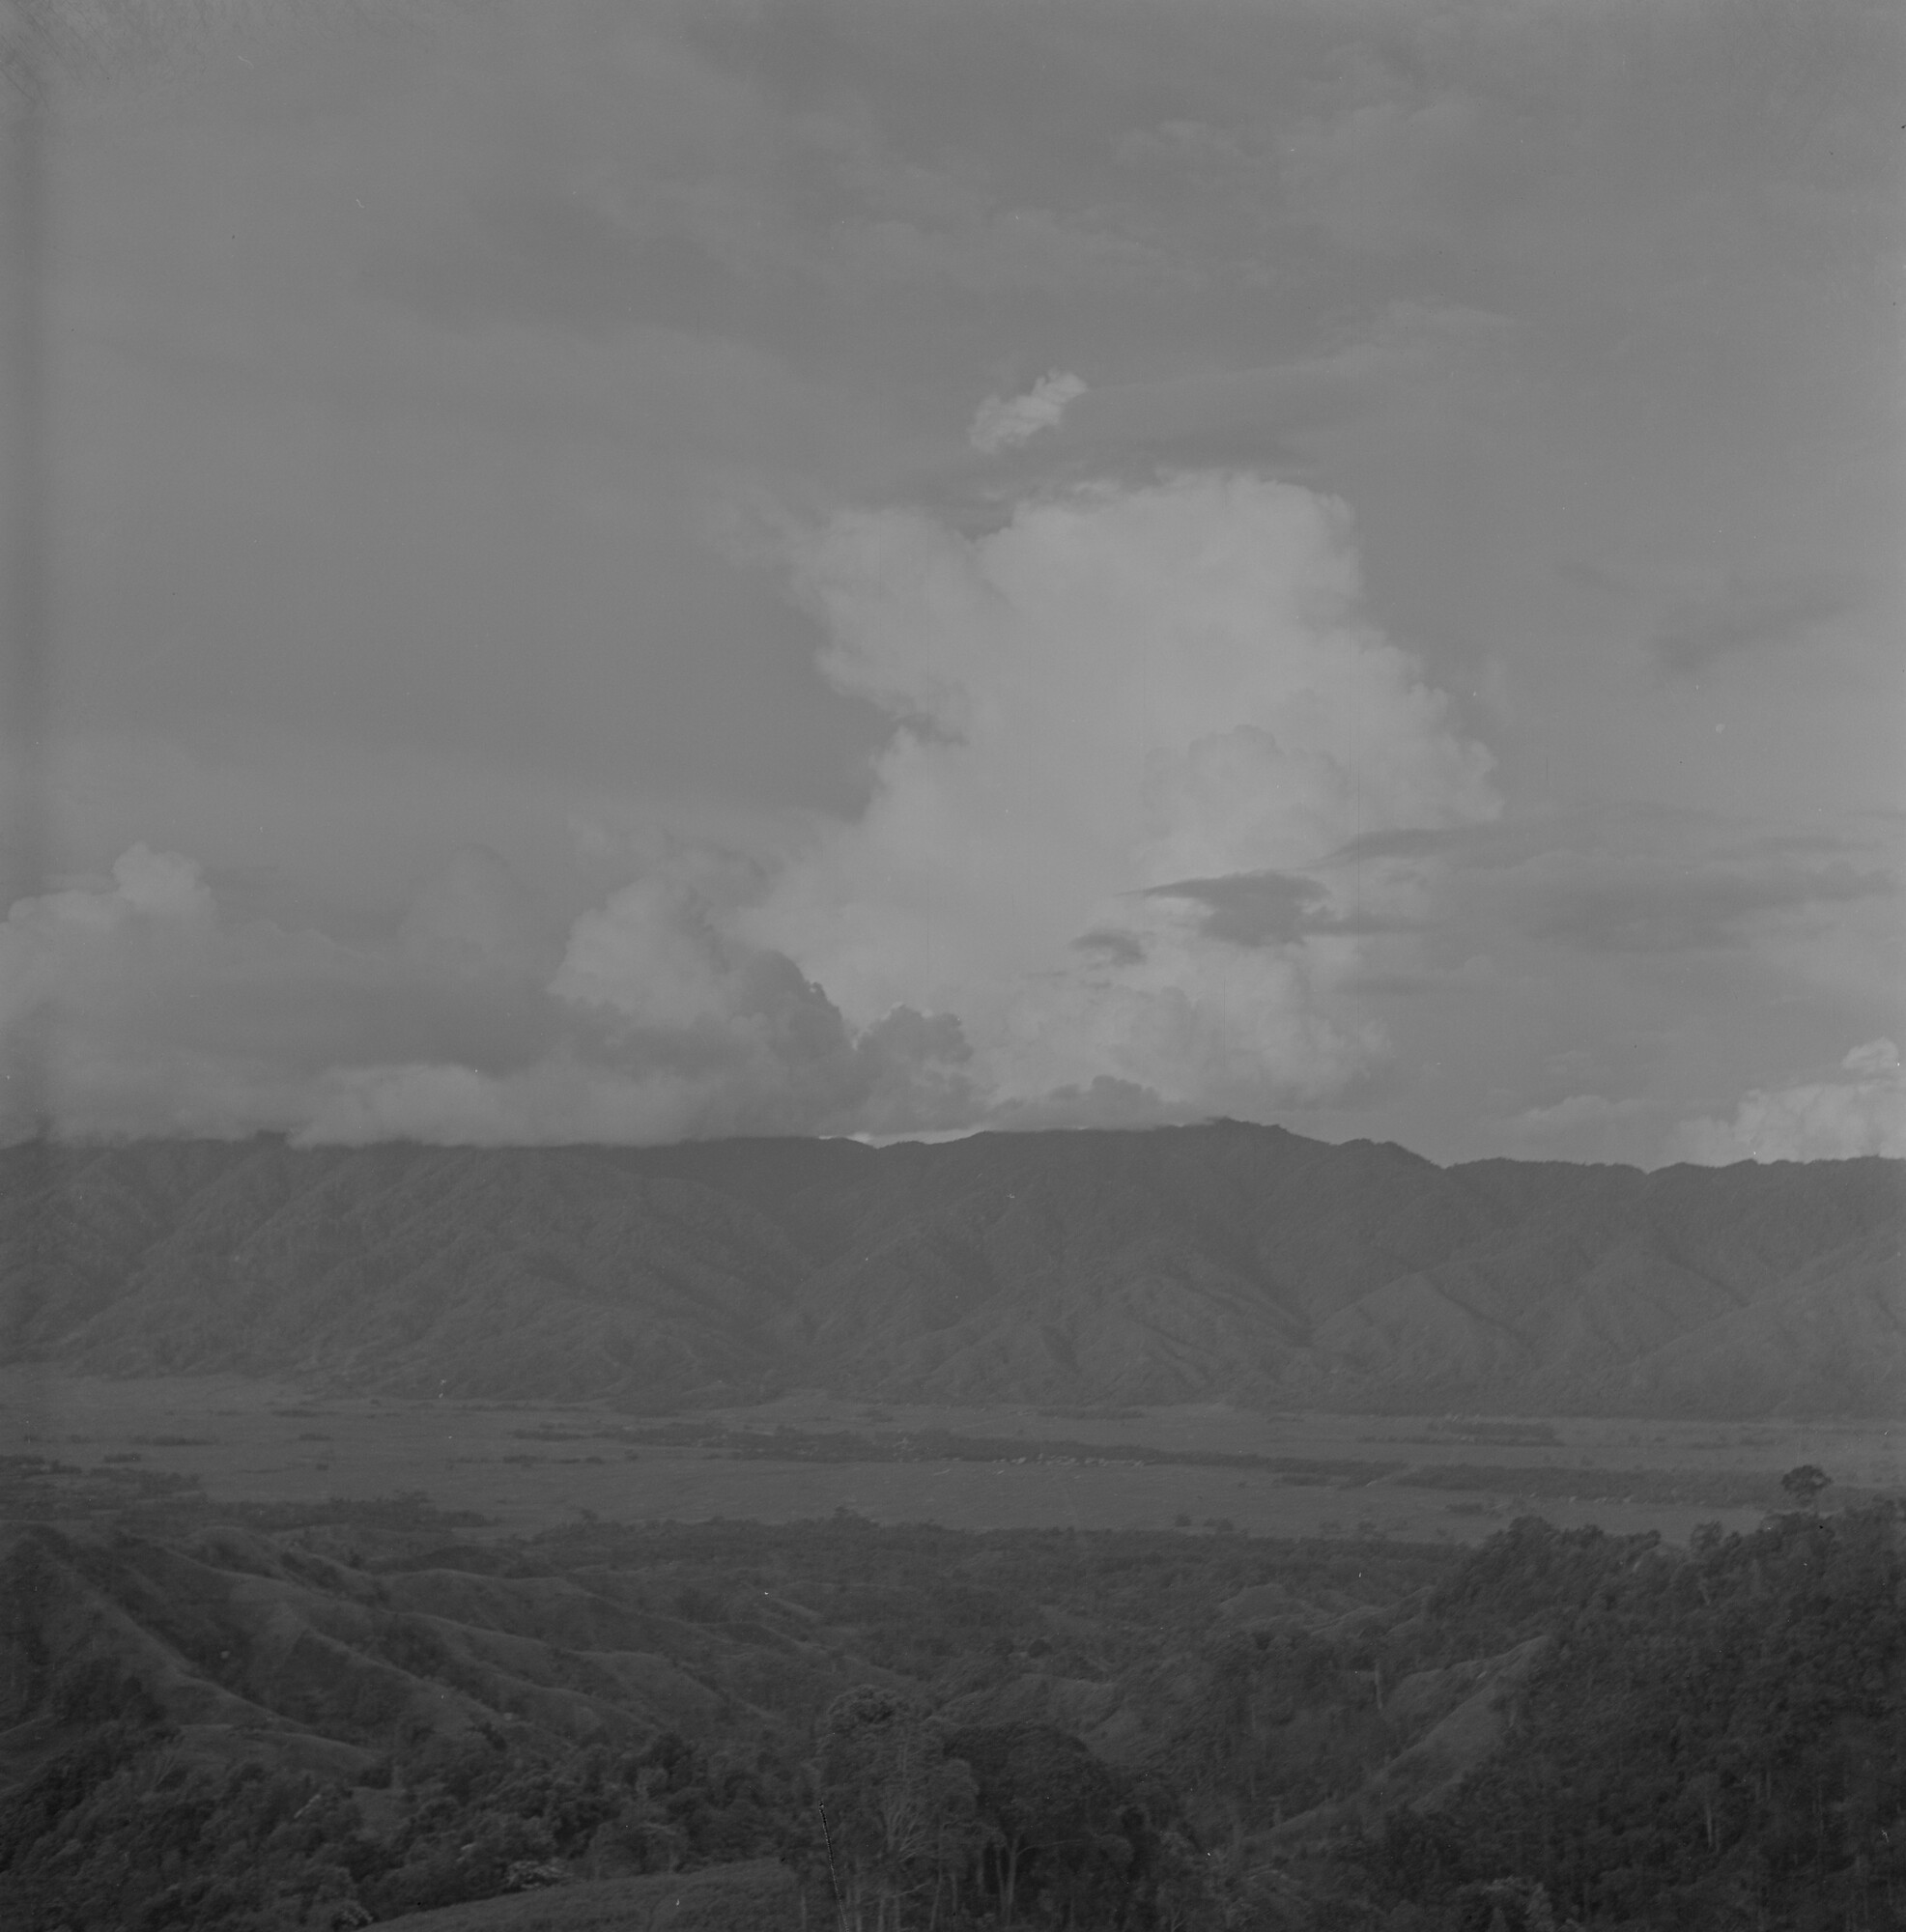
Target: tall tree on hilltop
[[899, 1811], [1060, 1826]]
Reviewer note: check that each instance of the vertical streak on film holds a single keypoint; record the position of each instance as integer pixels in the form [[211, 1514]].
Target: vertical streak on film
[[25, 639]]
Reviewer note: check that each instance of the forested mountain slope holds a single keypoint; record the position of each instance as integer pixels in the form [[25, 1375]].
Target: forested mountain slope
[[224, 1724], [1158, 1265], [251, 1727]]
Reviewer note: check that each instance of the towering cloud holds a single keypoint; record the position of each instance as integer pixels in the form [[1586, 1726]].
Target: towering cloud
[[1116, 719], [1125, 729]]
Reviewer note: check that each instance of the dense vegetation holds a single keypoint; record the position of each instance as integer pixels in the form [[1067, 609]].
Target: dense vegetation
[[936, 1728], [1714, 1740]]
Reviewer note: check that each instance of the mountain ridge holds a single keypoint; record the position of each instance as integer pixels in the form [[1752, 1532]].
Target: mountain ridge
[[1220, 1262]]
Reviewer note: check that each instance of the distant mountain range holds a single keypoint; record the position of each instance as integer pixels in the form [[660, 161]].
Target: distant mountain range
[[1171, 1264]]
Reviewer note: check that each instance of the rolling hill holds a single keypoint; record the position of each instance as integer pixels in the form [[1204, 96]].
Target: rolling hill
[[265, 1726], [1181, 1264]]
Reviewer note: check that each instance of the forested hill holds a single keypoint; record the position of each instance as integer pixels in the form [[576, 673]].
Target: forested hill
[[1159, 1266], [302, 1722]]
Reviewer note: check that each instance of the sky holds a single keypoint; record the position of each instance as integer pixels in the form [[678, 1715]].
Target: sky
[[624, 572]]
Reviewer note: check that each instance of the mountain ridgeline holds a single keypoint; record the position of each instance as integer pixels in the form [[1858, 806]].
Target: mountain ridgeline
[[1182, 1263]]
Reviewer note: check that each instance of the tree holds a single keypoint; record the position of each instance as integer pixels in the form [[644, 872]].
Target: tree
[[1802, 1485], [1063, 1830], [898, 1811]]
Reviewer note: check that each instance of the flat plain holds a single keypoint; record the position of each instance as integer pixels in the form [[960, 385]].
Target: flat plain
[[1202, 1467]]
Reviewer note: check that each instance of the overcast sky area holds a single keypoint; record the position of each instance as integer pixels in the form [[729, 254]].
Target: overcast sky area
[[633, 571]]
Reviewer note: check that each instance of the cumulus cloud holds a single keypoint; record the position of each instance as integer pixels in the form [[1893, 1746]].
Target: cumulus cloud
[[1002, 421], [91, 935], [106, 988], [158, 1014], [1119, 722], [1124, 729], [1861, 1111]]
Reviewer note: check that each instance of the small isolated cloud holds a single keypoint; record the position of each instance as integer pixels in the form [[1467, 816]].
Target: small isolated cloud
[[1263, 414], [1748, 613], [1877, 1060], [1860, 1111], [1002, 421]]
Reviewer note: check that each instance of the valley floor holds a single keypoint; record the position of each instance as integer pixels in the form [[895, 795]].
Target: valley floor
[[532, 1466], [280, 1661]]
